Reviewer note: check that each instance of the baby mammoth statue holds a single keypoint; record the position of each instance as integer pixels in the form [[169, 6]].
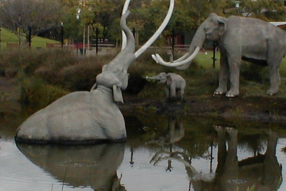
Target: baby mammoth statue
[[175, 84]]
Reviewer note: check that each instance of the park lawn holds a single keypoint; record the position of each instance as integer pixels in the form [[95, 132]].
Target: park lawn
[[206, 61], [9, 37]]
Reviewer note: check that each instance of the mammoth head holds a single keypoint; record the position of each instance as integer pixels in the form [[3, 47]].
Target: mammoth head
[[114, 74], [212, 29], [214, 26]]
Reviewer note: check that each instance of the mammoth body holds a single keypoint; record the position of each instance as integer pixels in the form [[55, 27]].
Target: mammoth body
[[78, 117], [175, 84]]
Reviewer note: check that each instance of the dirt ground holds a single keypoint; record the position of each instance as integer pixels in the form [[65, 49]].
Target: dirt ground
[[263, 109]]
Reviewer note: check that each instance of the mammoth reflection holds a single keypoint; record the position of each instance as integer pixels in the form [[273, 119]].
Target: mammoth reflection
[[261, 172], [92, 166], [175, 132]]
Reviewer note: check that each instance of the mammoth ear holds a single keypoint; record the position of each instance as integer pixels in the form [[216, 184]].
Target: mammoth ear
[[222, 25], [169, 79], [117, 94], [93, 87]]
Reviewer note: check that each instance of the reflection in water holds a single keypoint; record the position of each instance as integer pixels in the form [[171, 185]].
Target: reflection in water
[[80, 166], [175, 134], [189, 154], [260, 173]]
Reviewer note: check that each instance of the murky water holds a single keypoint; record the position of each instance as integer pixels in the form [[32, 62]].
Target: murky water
[[161, 154]]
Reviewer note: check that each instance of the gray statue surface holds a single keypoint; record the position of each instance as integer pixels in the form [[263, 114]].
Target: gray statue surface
[[90, 117], [174, 84], [238, 39]]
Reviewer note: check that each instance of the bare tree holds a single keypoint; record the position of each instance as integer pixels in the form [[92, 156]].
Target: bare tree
[[29, 16]]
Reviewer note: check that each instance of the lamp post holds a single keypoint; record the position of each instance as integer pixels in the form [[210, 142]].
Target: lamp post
[[29, 36], [96, 42], [237, 6], [62, 34], [78, 19], [0, 38]]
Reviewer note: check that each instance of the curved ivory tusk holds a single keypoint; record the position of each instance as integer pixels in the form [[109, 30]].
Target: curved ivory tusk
[[179, 59], [180, 63], [182, 58], [155, 58], [124, 39], [158, 32]]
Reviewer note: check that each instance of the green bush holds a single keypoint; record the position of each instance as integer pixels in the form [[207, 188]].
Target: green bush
[[36, 92], [47, 74]]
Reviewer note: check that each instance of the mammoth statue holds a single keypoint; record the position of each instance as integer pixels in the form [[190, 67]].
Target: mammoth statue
[[90, 117], [175, 84], [238, 39]]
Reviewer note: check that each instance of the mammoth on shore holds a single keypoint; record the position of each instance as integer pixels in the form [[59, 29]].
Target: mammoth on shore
[[90, 117], [174, 85], [238, 39]]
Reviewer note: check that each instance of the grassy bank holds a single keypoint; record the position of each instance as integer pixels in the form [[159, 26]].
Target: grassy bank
[[9, 37], [47, 74]]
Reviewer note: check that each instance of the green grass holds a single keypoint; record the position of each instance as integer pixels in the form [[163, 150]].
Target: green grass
[[8, 36]]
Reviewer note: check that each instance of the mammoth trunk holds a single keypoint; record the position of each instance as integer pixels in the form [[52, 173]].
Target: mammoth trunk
[[197, 43], [183, 62], [198, 40]]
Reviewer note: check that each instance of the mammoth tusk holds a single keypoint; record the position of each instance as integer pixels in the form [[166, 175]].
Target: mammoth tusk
[[179, 59], [124, 38], [155, 58], [158, 32], [159, 59]]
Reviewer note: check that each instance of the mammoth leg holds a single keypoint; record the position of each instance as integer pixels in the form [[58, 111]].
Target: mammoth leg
[[234, 68], [223, 75], [173, 90], [230, 169], [275, 54], [167, 92], [272, 169], [181, 93], [274, 77], [221, 155]]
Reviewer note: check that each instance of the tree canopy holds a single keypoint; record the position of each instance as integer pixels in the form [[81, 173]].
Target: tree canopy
[[146, 15], [36, 15]]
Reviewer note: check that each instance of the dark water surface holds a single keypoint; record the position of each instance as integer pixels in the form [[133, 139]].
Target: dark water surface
[[161, 154]]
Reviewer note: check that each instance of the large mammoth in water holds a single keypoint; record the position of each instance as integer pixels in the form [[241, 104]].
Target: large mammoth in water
[[90, 117], [238, 39]]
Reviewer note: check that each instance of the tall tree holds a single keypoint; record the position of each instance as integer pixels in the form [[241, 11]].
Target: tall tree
[[37, 15]]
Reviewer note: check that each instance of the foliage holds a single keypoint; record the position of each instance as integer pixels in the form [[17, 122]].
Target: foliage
[[146, 16], [8, 37], [264, 9], [37, 93], [19, 15], [57, 68]]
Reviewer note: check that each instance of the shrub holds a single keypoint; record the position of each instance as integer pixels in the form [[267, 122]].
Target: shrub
[[35, 92]]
